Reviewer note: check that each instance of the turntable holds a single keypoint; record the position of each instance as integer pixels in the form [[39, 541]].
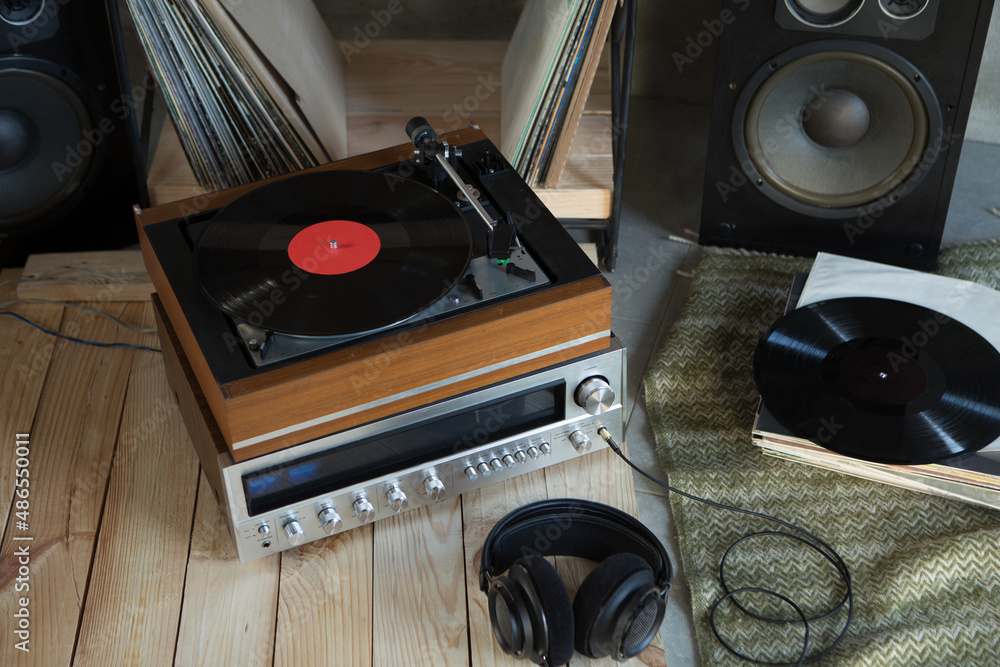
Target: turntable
[[316, 302]]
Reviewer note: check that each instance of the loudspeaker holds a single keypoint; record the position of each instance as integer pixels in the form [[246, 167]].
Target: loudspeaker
[[617, 609], [70, 161], [837, 125]]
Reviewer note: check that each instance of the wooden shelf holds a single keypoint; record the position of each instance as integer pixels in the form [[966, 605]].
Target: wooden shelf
[[452, 84]]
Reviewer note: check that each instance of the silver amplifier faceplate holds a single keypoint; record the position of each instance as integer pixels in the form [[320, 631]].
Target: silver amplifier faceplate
[[476, 458]]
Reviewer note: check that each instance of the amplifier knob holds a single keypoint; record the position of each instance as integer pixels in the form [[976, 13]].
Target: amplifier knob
[[434, 487], [363, 509], [293, 529], [545, 448], [509, 461], [471, 473], [533, 452], [264, 529], [484, 469], [330, 520], [520, 456], [595, 395], [496, 464], [580, 441], [396, 497]]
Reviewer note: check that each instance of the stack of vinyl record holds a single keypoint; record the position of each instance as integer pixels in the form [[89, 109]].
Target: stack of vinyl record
[[552, 54], [887, 374], [254, 89]]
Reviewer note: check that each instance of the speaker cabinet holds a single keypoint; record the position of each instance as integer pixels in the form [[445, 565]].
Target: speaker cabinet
[[837, 125], [70, 169]]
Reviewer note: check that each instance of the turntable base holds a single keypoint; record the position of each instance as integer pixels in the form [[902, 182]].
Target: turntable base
[[130, 561], [262, 409]]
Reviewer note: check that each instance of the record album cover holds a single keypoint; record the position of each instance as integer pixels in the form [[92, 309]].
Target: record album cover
[[922, 439]]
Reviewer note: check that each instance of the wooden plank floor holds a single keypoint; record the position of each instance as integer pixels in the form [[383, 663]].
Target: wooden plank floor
[[123, 557]]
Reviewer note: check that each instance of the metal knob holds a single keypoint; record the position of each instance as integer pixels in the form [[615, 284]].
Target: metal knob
[[434, 487], [496, 464], [471, 473], [294, 532], [509, 461], [545, 448], [484, 469], [363, 509], [580, 441], [520, 456], [264, 529], [396, 497], [533, 452], [595, 395], [330, 520]]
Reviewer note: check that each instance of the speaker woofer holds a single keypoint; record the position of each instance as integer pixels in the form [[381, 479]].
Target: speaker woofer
[[46, 159], [825, 129]]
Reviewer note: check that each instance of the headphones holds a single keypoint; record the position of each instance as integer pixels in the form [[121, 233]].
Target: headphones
[[618, 607]]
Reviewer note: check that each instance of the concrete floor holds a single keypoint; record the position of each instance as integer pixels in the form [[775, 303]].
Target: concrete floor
[[658, 251]]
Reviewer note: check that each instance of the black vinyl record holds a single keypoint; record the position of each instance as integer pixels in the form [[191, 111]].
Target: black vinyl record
[[881, 380], [333, 253]]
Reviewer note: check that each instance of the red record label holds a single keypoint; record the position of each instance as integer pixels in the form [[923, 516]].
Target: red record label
[[334, 247]]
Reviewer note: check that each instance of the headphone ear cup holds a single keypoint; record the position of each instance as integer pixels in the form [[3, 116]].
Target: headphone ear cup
[[555, 605], [618, 608]]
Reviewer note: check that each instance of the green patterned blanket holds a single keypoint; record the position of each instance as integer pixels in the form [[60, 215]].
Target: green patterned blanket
[[926, 571]]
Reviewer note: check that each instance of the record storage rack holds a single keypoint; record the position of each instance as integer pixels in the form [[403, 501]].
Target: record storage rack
[[451, 84]]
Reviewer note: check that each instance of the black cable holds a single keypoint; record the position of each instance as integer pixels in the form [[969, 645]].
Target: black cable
[[810, 540]]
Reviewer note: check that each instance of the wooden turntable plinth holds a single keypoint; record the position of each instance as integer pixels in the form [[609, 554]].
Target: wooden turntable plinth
[[264, 410]]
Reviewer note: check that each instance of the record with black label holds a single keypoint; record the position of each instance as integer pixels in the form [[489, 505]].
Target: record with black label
[[333, 253], [881, 380]]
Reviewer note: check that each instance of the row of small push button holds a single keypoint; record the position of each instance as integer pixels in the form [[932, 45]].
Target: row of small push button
[[579, 439]]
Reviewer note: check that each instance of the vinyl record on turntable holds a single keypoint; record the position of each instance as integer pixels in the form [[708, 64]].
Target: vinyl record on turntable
[[881, 380], [333, 253]]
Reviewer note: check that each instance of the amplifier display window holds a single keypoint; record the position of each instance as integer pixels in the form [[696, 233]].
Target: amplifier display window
[[270, 488]]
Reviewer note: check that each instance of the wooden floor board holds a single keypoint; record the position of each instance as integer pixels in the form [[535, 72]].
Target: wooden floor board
[[481, 509], [142, 550], [25, 354], [73, 439], [109, 275], [229, 608], [325, 602], [419, 599]]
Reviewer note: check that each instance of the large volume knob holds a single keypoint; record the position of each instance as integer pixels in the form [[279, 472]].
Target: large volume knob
[[595, 395]]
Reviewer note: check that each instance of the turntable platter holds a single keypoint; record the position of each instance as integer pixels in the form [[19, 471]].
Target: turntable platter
[[333, 253]]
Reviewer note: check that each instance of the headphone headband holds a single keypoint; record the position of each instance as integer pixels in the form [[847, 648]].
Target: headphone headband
[[570, 527]]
